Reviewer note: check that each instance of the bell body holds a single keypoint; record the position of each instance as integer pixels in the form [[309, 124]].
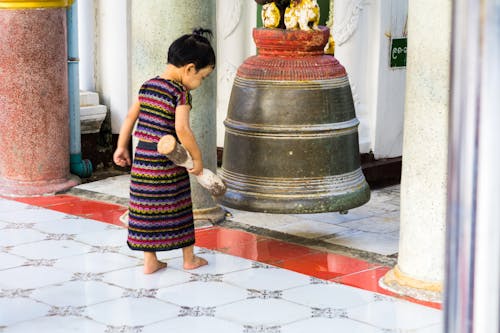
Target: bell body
[[291, 141]]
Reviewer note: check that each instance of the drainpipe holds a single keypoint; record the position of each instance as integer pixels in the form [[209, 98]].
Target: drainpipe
[[79, 167]]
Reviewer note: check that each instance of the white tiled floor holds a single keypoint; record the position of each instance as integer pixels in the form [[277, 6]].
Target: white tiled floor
[[63, 273], [117, 186]]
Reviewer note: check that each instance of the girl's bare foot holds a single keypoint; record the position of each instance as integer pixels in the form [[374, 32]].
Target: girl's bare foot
[[151, 263], [153, 266], [194, 262]]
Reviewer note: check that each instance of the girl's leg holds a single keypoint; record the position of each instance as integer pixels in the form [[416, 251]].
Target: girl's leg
[[191, 261], [151, 263]]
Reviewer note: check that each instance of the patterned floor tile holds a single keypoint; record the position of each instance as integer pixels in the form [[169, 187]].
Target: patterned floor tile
[[393, 314], [116, 186], [132, 310], [29, 214], [262, 220], [14, 235], [218, 263], [77, 293], [329, 325], [206, 293], [14, 310], [10, 261], [69, 224], [194, 321], [57, 324], [31, 277], [329, 296], [7, 205], [380, 243], [134, 277], [97, 260], [104, 237], [430, 329], [59, 246], [387, 223], [263, 313], [311, 229], [266, 277]]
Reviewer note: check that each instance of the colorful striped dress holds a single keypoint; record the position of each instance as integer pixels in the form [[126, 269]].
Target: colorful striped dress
[[160, 208]]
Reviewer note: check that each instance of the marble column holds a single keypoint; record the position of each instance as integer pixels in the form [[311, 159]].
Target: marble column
[[34, 115], [155, 25], [420, 268]]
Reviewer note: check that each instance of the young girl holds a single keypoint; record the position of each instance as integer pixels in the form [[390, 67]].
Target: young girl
[[160, 209]]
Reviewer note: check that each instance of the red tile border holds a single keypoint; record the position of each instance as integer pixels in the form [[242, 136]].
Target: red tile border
[[73, 205], [47, 201], [367, 279], [323, 265]]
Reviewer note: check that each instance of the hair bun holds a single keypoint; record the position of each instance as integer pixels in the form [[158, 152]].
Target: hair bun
[[207, 33]]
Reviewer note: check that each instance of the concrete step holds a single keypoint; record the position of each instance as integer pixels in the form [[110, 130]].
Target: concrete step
[[91, 118], [89, 98]]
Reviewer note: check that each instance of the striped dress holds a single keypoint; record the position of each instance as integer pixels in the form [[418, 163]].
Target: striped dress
[[160, 208]]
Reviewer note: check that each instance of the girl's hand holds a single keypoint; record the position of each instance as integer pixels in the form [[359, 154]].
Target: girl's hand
[[197, 168], [121, 157]]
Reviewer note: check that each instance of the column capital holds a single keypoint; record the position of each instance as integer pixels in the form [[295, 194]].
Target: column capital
[[26, 4]]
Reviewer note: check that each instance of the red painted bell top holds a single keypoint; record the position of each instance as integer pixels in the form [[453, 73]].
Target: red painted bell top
[[291, 55]]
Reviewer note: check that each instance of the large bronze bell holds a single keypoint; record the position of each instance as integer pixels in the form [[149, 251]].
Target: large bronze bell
[[291, 141]]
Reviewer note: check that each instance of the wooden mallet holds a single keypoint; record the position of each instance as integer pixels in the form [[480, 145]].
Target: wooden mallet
[[181, 157]]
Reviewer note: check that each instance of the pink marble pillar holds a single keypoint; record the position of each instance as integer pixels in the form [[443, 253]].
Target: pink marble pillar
[[34, 116]]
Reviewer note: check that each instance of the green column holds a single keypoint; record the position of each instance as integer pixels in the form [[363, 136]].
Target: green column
[[155, 25]]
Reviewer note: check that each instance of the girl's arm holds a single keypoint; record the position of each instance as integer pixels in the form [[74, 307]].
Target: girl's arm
[[186, 137], [122, 156]]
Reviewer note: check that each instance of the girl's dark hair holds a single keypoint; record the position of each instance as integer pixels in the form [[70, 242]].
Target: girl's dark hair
[[192, 48]]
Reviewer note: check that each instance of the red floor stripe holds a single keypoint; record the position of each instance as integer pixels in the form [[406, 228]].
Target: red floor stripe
[[301, 259], [91, 209]]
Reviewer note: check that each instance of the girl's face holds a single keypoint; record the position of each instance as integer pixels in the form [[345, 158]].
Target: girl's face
[[193, 79]]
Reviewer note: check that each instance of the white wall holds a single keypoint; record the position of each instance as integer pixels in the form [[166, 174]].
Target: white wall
[[354, 48], [390, 85], [112, 66], [86, 34], [235, 22], [362, 31]]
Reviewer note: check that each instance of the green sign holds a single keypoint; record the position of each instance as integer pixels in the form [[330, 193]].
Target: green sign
[[398, 52]]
